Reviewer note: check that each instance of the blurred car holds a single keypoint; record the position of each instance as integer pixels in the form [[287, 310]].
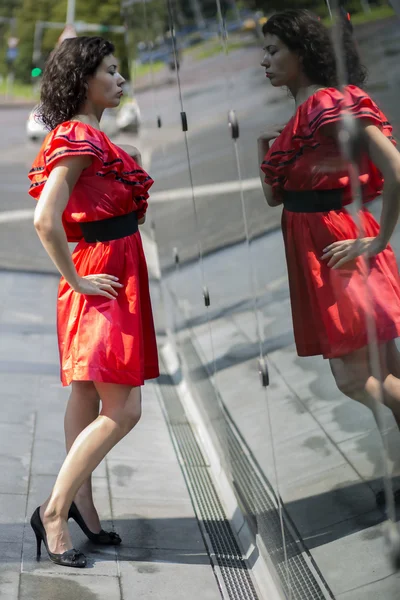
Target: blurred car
[[254, 22], [128, 117], [36, 131]]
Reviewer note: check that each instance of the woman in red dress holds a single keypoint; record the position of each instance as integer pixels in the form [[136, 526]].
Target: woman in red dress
[[95, 193], [303, 170]]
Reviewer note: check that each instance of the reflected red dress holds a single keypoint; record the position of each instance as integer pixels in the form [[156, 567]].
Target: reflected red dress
[[329, 306], [112, 341]]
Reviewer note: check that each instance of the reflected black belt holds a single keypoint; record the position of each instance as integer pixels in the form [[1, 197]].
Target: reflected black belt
[[110, 229], [310, 201]]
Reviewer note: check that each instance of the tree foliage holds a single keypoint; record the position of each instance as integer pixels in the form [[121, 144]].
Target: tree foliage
[[145, 21]]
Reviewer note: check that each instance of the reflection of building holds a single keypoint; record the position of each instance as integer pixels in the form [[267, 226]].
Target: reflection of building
[[301, 461]]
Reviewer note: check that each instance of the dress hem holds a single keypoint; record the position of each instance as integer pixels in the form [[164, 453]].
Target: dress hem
[[389, 334], [107, 376]]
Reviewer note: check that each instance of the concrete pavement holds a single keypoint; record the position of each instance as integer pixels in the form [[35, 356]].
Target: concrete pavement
[[139, 488]]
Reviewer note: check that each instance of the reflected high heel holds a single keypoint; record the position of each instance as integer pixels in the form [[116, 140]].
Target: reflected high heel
[[70, 558], [103, 538]]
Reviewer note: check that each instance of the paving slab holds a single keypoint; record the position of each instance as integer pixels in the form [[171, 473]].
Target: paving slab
[[145, 480], [164, 574], [157, 524], [47, 586], [12, 517], [387, 589]]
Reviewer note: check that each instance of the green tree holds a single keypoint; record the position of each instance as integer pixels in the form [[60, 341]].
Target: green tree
[[104, 12]]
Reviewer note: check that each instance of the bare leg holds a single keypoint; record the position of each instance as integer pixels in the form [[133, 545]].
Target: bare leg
[[353, 377], [83, 409], [393, 359], [121, 411]]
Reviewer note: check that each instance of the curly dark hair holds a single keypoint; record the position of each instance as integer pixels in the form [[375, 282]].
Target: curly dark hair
[[302, 32], [65, 76]]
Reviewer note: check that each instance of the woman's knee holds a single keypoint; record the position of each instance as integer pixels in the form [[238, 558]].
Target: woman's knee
[[124, 407], [85, 391], [350, 387], [351, 379], [130, 416]]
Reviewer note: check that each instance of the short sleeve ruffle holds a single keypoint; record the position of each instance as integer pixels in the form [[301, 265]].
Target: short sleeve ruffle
[[135, 178], [331, 105], [303, 132], [69, 139]]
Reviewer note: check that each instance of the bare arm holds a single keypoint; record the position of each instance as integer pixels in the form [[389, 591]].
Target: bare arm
[[135, 154], [385, 156], [49, 227], [263, 147], [49, 210]]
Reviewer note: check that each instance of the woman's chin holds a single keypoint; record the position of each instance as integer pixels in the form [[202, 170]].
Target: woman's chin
[[275, 83]]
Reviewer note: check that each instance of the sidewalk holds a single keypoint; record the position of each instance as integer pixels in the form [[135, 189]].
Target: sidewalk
[[139, 489], [326, 447]]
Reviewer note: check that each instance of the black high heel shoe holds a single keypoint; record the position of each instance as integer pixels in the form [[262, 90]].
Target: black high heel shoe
[[70, 558], [104, 538]]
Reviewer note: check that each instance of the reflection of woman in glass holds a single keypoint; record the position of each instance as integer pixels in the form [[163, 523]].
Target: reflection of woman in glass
[[92, 192], [304, 172]]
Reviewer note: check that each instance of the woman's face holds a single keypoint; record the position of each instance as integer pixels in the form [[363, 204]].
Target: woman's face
[[105, 86], [282, 66]]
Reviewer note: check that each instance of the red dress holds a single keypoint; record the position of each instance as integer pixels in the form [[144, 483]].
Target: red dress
[[329, 306], [112, 341]]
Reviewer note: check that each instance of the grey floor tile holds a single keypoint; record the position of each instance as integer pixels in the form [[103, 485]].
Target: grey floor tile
[[157, 524], [41, 486], [49, 455], [152, 444], [10, 567], [46, 586], [152, 417], [289, 419], [16, 439], [50, 423], [9, 584], [349, 420], [310, 377], [12, 511], [16, 410], [319, 502], [10, 556], [364, 454], [359, 559], [167, 575], [14, 474], [385, 589], [302, 456], [144, 480]]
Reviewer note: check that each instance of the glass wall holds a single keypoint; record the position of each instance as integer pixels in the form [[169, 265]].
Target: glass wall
[[305, 460]]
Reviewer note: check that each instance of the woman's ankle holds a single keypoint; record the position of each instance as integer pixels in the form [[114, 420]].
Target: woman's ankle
[[54, 509]]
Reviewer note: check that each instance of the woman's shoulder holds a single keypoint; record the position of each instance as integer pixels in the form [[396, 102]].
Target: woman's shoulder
[[329, 105], [74, 137], [77, 130], [330, 100]]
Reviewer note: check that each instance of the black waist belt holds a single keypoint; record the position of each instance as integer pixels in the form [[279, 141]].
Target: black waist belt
[[312, 200], [110, 229]]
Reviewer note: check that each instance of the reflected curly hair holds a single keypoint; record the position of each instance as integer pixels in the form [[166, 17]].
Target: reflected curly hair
[[65, 77], [303, 33]]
